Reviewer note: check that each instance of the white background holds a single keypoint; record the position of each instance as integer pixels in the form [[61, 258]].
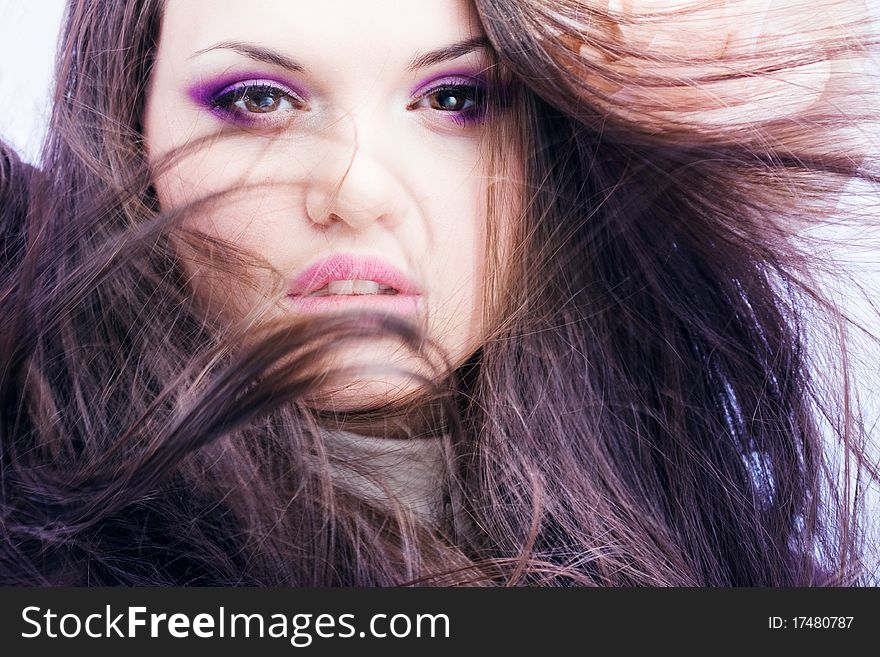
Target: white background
[[28, 33]]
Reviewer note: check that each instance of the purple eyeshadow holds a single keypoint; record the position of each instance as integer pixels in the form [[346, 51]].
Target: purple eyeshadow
[[204, 93], [451, 80], [469, 78], [207, 94], [469, 118]]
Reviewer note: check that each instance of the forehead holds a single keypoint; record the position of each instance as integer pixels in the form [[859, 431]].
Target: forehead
[[342, 32]]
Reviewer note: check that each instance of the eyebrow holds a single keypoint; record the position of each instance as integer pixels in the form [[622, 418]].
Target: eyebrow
[[276, 58], [255, 52], [447, 53]]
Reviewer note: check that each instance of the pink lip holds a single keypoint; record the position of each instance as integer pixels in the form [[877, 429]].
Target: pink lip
[[346, 266]]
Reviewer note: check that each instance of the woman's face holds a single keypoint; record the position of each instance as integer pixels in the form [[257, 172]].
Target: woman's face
[[350, 132]]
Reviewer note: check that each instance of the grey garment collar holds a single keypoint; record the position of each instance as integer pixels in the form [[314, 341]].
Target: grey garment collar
[[411, 471]]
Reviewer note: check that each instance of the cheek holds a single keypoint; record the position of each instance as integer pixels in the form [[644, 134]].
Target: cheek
[[226, 244], [457, 252], [227, 191]]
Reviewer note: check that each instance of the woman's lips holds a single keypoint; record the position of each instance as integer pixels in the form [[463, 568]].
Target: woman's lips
[[366, 282]]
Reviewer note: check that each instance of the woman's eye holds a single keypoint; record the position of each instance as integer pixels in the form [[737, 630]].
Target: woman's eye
[[463, 102], [249, 99], [454, 99]]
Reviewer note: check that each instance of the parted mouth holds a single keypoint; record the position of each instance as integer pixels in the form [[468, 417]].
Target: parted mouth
[[346, 274], [352, 288]]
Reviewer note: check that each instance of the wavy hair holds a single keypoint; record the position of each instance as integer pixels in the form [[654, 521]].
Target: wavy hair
[[652, 404]]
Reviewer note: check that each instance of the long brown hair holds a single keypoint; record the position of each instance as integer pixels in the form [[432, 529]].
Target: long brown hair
[[647, 408]]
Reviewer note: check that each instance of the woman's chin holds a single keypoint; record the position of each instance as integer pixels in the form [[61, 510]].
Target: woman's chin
[[363, 394], [406, 409], [370, 376]]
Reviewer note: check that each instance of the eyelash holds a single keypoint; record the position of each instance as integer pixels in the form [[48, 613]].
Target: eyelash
[[230, 102], [473, 93]]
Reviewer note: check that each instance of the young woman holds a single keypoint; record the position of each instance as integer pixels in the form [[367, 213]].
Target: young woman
[[505, 292]]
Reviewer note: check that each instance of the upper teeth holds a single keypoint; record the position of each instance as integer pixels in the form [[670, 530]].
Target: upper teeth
[[353, 287]]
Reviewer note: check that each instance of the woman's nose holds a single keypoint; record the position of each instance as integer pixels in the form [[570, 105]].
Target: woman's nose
[[358, 192]]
